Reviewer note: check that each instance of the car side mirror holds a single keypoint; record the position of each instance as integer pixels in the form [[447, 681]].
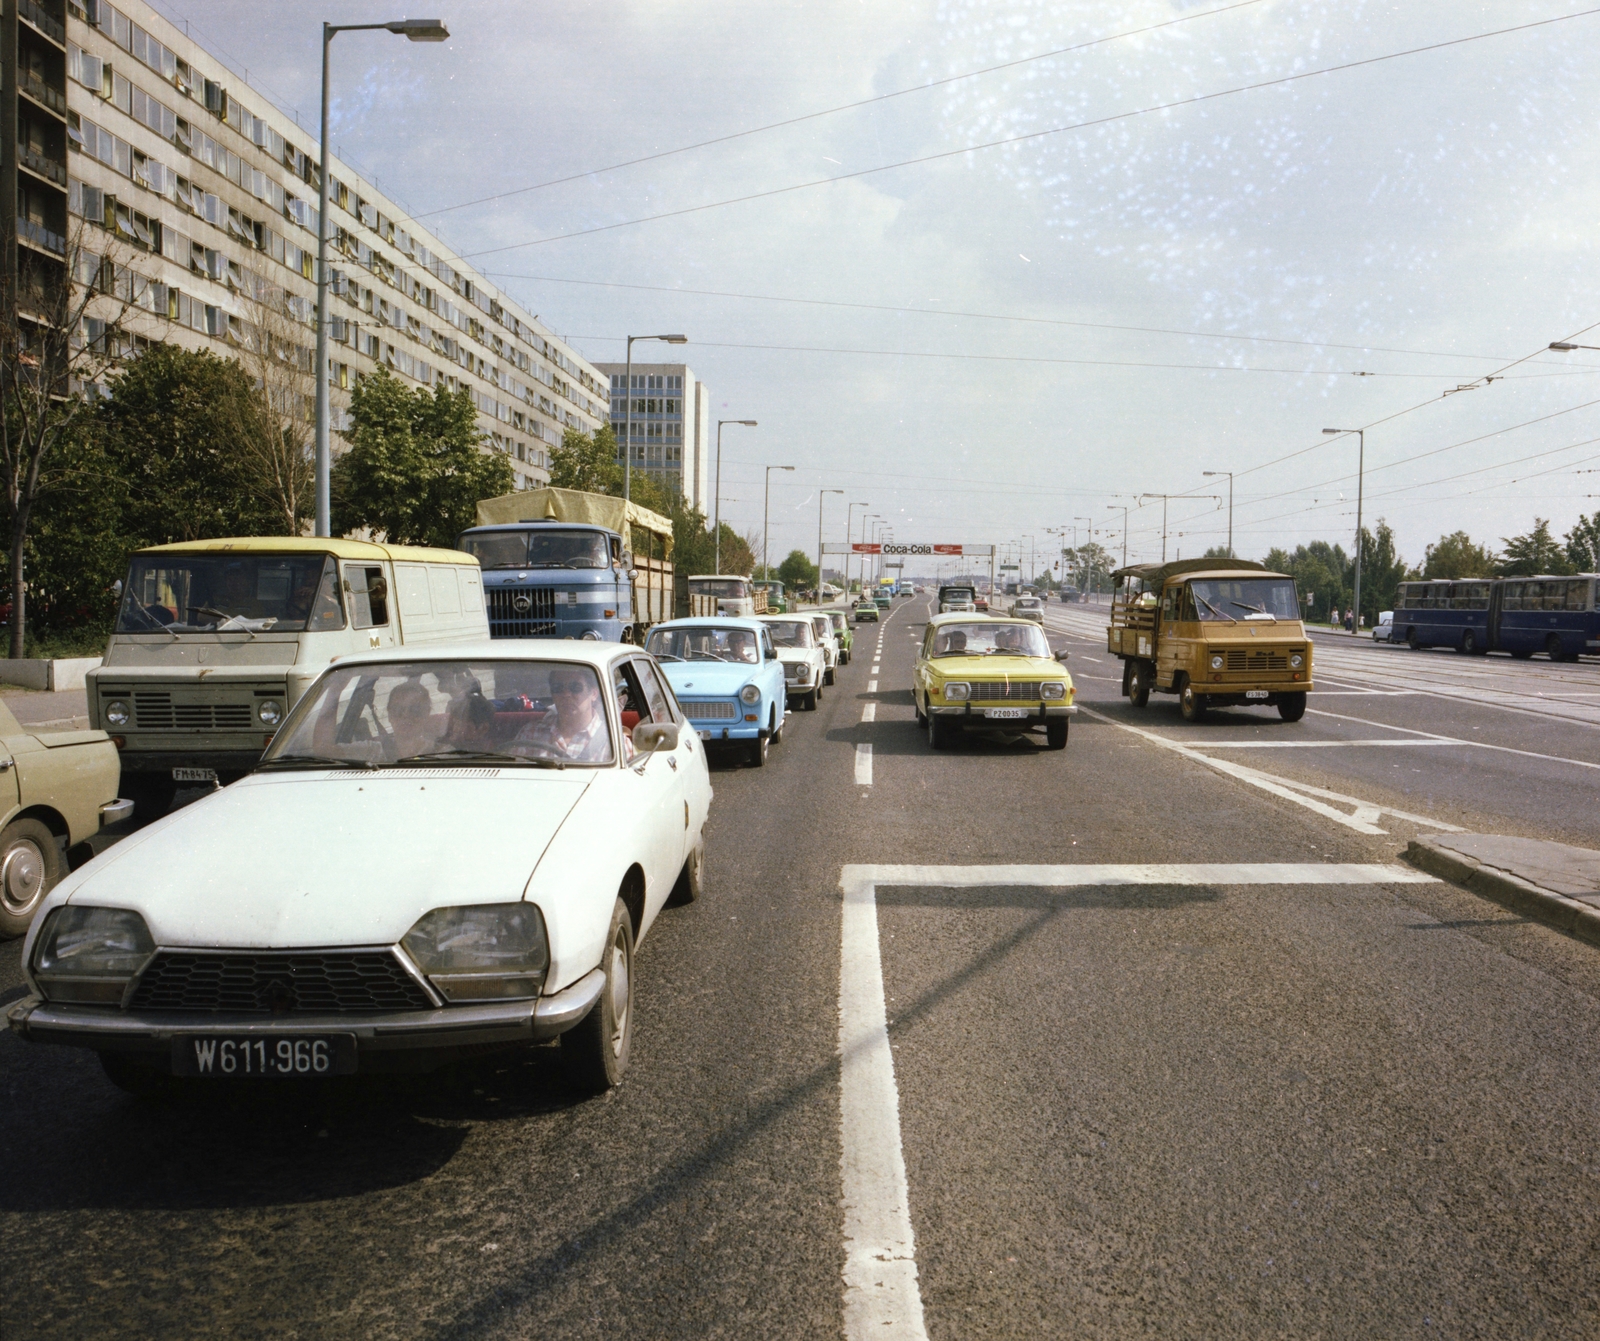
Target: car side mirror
[[649, 737], [1062, 655]]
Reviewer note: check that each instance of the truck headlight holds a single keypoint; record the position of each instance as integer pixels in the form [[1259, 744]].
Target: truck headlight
[[117, 713], [89, 954], [481, 952], [1216, 661], [957, 692], [1053, 689], [750, 694], [590, 636], [269, 712], [1297, 661]]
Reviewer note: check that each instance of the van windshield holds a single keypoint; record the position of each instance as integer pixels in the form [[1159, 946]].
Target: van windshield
[[230, 593], [545, 547], [1244, 599]]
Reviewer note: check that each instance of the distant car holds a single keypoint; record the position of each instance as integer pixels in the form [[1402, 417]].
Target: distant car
[[823, 627], [866, 612], [1028, 607], [728, 680], [843, 632], [1383, 631], [883, 597], [979, 603], [804, 663]]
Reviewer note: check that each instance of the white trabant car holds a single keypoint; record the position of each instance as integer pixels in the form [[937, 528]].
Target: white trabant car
[[828, 640], [805, 664], [442, 850]]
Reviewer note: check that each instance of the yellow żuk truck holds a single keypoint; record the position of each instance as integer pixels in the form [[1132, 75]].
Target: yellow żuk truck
[[1215, 632]]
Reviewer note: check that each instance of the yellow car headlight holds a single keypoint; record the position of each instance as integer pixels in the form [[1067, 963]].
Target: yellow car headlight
[[1053, 689], [957, 692]]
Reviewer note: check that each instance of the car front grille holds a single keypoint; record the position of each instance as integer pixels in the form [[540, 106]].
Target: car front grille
[[521, 612], [699, 710], [281, 983], [154, 711], [998, 691], [1257, 663]]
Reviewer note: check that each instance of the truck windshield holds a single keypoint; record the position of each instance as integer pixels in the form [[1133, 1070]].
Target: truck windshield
[[541, 548], [1240, 599], [703, 642], [230, 593], [729, 588]]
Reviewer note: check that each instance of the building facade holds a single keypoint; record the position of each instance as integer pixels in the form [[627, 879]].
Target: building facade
[[151, 170], [671, 426]]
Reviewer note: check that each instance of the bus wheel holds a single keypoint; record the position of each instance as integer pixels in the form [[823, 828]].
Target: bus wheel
[[1469, 643], [1292, 707], [1412, 641], [1552, 647]]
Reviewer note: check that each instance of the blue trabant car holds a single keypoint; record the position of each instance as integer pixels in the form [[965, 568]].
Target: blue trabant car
[[727, 677]]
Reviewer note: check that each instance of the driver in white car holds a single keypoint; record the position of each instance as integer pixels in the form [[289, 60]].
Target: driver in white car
[[576, 730]]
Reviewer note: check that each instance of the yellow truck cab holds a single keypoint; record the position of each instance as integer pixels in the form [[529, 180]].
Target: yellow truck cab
[[216, 640], [1215, 632]]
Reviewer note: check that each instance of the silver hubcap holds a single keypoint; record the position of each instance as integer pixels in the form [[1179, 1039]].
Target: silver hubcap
[[617, 986], [21, 878]]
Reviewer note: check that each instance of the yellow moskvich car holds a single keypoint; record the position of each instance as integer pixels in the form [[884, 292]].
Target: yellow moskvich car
[[981, 672]]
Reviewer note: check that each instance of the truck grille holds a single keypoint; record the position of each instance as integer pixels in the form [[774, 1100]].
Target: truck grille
[[521, 612], [278, 983], [701, 711], [157, 712], [997, 691], [1257, 663]]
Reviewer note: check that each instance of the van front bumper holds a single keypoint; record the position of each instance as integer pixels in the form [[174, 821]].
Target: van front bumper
[[386, 1040]]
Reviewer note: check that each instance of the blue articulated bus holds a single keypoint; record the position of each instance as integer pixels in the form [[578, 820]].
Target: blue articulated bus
[[1519, 615]]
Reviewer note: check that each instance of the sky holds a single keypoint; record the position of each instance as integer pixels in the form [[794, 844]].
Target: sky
[[1161, 271]]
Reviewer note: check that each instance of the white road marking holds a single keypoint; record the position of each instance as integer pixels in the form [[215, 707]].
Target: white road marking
[[869, 713], [876, 667], [863, 765], [872, 686], [1315, 744], [882, 1294], [1436, 739], [1364, 813]]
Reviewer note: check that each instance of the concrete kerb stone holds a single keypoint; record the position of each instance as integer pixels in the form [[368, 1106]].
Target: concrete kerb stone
[[1572, 915], [55, 674]]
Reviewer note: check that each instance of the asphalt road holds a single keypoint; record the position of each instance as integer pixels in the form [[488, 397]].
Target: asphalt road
[[1166, 1049]]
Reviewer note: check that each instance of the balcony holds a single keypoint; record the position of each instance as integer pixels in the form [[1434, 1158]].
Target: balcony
[[51, 99], [40, 166], [30, 13], [37, 235]]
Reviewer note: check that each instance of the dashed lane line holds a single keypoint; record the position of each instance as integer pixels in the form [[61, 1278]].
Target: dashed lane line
[[882, 1292], [863, 764], [872, 686], [869, 713]]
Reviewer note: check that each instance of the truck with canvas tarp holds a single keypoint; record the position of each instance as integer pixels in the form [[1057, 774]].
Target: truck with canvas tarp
[[561, 563]]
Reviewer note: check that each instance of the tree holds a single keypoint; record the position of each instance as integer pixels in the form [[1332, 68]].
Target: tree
[[1382, 571], [797, 571], [1456, 556], [1536, 552], [1218, 552], [414, 472], [587, 461], [275, 439], [168, 429], [1583, 545], [57, 338]]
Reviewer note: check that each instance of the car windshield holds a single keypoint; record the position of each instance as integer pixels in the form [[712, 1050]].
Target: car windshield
[[541, 547], [823, 625], [703, 642], [990, 639], [792, 633], [1240, 599], [447, 712], [230, 593], [839, 622], [731, 588], [1028, 602]]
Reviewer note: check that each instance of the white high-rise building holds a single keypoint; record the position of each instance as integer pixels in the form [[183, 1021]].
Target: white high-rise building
[[671, 426]]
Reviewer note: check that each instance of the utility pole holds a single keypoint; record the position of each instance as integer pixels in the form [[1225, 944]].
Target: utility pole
[[1216, 498], [766, 513], [820, 494], [849, 532], [716, 525], [1361, 475], [1114, 507], [1229, 474]]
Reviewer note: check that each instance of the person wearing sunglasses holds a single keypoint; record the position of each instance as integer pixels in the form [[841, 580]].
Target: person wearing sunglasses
[[576, 729]]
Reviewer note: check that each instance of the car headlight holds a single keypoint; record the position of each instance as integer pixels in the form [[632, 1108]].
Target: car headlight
[[750, 694], [957, 692], [1297, 661], [1216, 661], [481, 952], [89, 954], [1053, 689], [269, 712], [117, 712], [590, 636], [803, 674]]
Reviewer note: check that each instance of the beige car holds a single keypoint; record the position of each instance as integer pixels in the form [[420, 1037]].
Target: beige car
[[58, 789]]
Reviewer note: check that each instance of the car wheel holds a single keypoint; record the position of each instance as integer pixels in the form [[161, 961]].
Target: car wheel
[[938, 732], [1055, 735], [1412, 641], [1191, 704], [594, 1052], [827, 676], [1292, 707], [687, 890], [916, 708], [775, 726], [758, 751], [1139, 684], [137, 1078], [30, 863], [813, 698]]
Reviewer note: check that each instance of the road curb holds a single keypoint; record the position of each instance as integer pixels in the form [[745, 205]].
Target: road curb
[[1521, 896]]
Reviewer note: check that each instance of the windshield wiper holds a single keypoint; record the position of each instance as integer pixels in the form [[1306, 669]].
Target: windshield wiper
[[1253, 609], [665, 656], [314, 761], [1218, 613], [481, 756]]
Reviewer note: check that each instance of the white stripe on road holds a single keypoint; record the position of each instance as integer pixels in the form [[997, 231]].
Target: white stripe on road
[[869, 713], [863, 765], [1314, 744], [1433, 738], [872, 686], [882, 1295]]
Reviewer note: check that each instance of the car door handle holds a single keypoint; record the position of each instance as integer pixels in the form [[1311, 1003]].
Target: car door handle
[[672, 763], [5, 764]]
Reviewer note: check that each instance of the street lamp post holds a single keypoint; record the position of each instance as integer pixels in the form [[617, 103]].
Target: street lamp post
[[865, 518], [820, 495], [766, 510], [1229, 474], [849, 521], [716, 525], [1361, 476], [415, 30], [627, 457], [1114, 507], [1164, 497]]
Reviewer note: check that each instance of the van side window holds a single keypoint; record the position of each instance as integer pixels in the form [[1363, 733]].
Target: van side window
[[1186, 610], [368, 590]]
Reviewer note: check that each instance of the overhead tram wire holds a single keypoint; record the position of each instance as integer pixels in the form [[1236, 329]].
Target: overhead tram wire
[[843, 107], [1109, 119]]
